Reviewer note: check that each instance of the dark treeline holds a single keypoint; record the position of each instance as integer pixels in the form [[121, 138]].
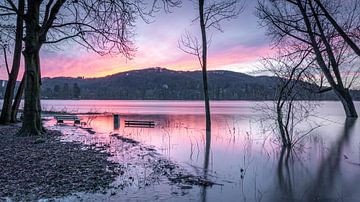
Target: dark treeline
[[163, 84]]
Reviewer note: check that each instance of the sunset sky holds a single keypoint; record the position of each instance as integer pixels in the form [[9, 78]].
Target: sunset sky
[[238, 48]]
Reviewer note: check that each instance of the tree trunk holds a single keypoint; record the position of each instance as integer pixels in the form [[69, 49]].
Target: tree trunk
[[281, 126], [39, 123], [342, 93], [32, 112], [9, 93], [204, 66], [347, 102], [206, 164], [17, 101], [207, 152]]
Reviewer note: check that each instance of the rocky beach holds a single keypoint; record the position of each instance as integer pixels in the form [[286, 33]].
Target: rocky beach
[[73, 164]]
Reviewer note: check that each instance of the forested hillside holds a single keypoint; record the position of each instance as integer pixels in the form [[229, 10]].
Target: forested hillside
[[164, 84]]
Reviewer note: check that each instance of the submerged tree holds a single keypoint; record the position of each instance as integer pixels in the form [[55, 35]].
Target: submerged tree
[[105, 27], [292, 105], [301, 25], [211, 14]]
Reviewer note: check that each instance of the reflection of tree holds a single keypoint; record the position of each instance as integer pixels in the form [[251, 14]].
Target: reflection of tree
[[207, 152], [323, 183], [284, 173], [206, 164], [330, 165]]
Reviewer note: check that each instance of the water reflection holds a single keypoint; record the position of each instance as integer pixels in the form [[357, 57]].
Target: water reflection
[[248, 163], [326, 183], [206, 164], [116, 121], [284, 173], [329, 171]]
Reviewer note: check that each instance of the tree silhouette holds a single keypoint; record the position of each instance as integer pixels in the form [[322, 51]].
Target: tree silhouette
[[105, 27], [301, 25], [7, 110], [210, 16], [293, 102], [348, 33]]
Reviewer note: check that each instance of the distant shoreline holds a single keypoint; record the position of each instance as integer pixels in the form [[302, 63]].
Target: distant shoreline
[[265, 100], [168, 85]]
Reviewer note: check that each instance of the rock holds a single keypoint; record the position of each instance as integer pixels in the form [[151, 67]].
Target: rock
[[40, 140]]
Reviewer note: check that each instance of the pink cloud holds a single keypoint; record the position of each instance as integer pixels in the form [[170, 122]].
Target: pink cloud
[[92, 65]]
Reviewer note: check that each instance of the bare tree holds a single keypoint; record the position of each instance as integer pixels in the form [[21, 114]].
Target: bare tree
[[14, 71], [211, 14], [105, 27], [292, 106], [299, 24], [11, 85]]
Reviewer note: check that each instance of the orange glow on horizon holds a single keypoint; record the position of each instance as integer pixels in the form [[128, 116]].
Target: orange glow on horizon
[[92, 66]]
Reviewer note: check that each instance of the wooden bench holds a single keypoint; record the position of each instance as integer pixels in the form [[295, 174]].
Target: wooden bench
[[63, 118], [135, 123]]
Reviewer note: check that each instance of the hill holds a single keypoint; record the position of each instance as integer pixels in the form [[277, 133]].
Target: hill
[[163, 84]]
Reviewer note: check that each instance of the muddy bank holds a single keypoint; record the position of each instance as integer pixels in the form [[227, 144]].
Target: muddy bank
[[74, 164], [33, 168], [161, 166], [144, 166]]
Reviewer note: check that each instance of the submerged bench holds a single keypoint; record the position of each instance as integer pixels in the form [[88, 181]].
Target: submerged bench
[[61, 119], [135, 123]]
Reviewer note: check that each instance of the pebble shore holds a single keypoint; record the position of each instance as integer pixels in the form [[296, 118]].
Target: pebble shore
[[33, 168]]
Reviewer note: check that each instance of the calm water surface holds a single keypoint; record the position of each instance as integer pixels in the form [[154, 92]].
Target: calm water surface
[[244, 157]]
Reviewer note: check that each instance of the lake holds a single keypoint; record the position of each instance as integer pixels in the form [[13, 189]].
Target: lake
[[244, 157]]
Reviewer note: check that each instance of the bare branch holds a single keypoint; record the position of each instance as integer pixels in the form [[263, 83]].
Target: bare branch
[[191, 45], [6, 60], [299, 24]]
